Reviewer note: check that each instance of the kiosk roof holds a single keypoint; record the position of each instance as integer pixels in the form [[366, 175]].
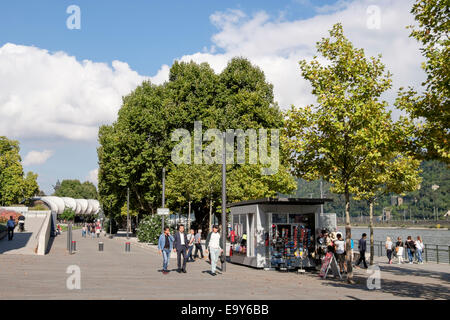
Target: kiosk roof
[[281, 201]]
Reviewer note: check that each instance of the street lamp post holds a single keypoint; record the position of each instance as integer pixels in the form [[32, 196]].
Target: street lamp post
[[163, 196], [128, 211], [224, 201], [434, 187]]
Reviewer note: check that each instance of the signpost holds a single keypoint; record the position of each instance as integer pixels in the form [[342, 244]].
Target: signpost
[[163, 211], [327, 262]]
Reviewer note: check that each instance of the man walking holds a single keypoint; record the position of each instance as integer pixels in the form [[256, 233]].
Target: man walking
[[165, 245], [198, 243], [362, 251], [215, 247], [180, 246], [11, 224]]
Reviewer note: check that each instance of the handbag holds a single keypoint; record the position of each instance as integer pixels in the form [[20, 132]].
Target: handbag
[[222, 258]]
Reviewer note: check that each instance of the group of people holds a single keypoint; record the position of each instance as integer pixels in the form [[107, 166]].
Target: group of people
[[183, 244], [335, 243], [413, 248], [91, 229]]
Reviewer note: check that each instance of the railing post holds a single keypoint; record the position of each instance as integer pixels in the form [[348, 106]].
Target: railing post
[[437, 253], [448, 250], [426, 253]]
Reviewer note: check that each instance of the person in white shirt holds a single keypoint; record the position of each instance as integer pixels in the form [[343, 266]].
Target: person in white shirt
[[339, 246], [419, 249], [388, 245], [190, 238], [215, 247]]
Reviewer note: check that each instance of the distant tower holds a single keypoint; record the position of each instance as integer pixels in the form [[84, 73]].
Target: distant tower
[[57, 186]]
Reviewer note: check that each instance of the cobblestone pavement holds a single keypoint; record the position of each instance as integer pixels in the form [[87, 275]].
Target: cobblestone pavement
[[116, 274]]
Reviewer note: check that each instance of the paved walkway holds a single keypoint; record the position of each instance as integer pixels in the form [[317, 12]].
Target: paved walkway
[[23, 242], [116, 274]]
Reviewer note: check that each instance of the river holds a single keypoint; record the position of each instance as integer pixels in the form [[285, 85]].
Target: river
[[429, 236]]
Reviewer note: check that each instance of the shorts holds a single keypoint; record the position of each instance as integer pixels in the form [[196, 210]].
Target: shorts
[[340, 257]]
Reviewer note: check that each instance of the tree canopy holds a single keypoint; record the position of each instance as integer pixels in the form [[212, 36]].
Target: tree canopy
[[77, 190], [14, 186]]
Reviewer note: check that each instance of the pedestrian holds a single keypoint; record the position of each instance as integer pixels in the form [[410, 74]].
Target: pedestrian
[[419, 249], [165, 245], [362, 251], [98, 228], [411, 248], [11, 224], [93, 230], [339, 246], [83, 231], [351, 246], [198, 243], [191, 238], [232, 236], [388, 245], [180, 247], [215, 247], [399, 250]]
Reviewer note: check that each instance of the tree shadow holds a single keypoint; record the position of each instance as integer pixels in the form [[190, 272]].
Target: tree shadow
[[405, 271], [399, 288]]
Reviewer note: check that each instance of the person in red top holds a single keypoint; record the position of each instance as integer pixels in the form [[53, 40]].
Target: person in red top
[[232, 235]]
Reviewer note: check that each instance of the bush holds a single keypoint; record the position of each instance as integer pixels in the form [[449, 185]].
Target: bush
[[149, 229], [68, 214]]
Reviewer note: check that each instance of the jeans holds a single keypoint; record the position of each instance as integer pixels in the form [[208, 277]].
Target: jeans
[[189, 254], [410, 255], [198, 247], [419, 255], [166, 257], [215, 253], [389, 254], [83, 233]]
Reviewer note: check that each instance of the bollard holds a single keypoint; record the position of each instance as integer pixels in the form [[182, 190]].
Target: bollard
[[127, 247], [426, 253], [437, 253], [74, 246], [100, 246]]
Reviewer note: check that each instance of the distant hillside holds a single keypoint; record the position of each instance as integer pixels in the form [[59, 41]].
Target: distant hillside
[[434, 172]]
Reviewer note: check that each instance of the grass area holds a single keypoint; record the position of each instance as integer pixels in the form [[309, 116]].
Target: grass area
[[64, 228]]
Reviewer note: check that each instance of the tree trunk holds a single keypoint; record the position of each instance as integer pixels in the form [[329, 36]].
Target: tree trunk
[[371, 231], [348, 237]]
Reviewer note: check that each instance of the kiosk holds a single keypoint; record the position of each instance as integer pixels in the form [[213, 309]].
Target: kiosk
[[277, 232]]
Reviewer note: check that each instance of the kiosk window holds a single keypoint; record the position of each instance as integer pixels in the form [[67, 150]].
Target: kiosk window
[[279, 218], [297, 218]]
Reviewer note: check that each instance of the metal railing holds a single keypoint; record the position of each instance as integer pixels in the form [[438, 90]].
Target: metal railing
[[431, 253]]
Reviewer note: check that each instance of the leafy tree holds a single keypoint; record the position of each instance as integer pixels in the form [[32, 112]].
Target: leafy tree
[[431, 109], [395, 173], [68, 214], [335, 139], [135, 148], [14, 187], [77, 190]]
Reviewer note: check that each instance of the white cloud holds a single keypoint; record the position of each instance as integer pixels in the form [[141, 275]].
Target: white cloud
[[277, 46], [53, 95], [37, 157], [93, 176]]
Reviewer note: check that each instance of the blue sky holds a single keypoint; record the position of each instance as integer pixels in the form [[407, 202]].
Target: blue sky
[[53, 102]]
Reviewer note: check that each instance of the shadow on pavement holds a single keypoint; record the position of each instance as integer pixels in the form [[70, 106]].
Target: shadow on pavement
[[19, 241], [405, 271]]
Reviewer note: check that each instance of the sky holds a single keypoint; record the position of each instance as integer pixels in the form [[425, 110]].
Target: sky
[[62, 74]]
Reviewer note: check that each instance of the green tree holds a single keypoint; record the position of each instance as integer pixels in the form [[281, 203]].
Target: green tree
[[68, 214], [394, 173], [77, 190], [30, 185], [431, 108], [135, 148], [337, 138]]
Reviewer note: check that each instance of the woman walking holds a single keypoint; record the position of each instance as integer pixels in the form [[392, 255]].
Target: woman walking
[[411, 247], [399, 250], [419, 250], [388, 246]]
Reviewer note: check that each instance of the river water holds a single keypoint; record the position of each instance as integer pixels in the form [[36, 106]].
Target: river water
[[429, 236]]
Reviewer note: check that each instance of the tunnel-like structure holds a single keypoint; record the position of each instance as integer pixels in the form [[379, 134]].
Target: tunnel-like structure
[[57, 205]]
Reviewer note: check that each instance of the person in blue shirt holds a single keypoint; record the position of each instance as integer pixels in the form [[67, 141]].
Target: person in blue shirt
[[11, 224], [165, 246]]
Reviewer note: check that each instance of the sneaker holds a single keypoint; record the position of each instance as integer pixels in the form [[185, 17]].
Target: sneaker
[[410, 263], [213, 274], [165, 272]]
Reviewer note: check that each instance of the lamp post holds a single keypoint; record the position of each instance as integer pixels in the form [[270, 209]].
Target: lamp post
[[128, 211], [163, 196], [434, 187], [224, 201]]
